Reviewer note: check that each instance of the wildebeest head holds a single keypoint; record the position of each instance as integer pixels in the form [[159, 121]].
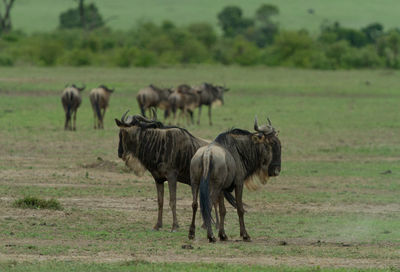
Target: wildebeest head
[[132, 122], [106, 88], [267, 136], [76, 87], [128, 125], [217, 91]]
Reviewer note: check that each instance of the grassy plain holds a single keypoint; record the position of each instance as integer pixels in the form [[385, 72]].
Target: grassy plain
[[336, 203], [42, 15]]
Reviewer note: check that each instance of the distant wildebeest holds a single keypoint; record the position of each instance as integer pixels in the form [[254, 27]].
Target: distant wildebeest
[[153, 97], [233, 159], [210, 94], [185, 99], [165, 151], [71, 100], [99, 98]]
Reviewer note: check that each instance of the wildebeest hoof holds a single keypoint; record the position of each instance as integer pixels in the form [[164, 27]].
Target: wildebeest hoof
[[246, 238], [157, 227], [191, 236], [223, 237], [212, 239]]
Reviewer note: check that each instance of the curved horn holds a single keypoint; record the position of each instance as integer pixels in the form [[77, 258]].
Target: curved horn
[[255, 124], [123, 117], [269, 122], [154, 114]]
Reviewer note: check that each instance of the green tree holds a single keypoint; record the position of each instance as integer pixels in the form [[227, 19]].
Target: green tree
[[84, 16], [5, 19], [232, 22]]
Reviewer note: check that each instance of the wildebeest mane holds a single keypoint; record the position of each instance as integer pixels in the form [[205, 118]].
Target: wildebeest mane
[[239, 143], [155, 144]]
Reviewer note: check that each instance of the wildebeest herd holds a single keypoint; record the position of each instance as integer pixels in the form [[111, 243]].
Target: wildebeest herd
[[170, 153]]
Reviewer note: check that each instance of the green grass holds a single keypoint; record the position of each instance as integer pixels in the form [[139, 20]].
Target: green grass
[[43, 15], [146, 266], [30, 202], [335, 201]]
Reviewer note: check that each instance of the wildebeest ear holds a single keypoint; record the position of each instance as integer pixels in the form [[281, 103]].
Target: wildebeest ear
[[82, 88], [226, 89], [199, 91]]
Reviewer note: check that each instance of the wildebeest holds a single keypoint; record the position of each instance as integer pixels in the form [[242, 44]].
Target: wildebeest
[[71, 100], [231, 160], [153, 97], [99, 98], [210, 94], [185, 99], [165, 151]]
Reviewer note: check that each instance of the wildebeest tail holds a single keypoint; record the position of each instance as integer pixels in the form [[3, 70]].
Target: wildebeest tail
[[230, 198], [141, 99], [205, 203], [70, 99], [97, 106]]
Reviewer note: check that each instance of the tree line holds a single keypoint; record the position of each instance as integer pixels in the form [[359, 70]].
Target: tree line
[[83, 38]]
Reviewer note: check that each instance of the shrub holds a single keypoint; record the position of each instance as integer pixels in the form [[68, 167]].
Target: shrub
[[49, 52], [6, 60], [244, 52], [144, 58], [37, 203], [124, 56], [76, 57], [204, 33]]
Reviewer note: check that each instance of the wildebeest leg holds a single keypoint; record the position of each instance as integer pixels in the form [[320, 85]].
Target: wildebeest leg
[[102, 118], [172, 201], [222, 212], [160, 200], [198, 119], [240, 211], [216, 217], [66, 121], [209, 115], [74, 126], [95, 119], [191, 117], [195, 205]]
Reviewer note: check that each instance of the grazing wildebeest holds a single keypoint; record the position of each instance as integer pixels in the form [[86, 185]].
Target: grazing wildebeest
[[231, 160], [165, 151], [99, 98], [153, 97], [209, 94], [185, 99], [71, 100]]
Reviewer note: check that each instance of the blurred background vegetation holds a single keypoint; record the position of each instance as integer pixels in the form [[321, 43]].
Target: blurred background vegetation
[[84, 38]]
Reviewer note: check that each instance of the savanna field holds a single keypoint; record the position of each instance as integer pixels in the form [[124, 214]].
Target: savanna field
[[334, 207]]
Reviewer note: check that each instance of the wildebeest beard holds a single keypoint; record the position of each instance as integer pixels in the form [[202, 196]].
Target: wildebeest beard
[[160, 148], [258, 160]]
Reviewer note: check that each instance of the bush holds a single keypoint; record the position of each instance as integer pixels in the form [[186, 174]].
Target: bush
[[204, 33], [6, 60], [77, 57], [37, 203], [244, 52], [49, 52], [124, 56], [144, 58]]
